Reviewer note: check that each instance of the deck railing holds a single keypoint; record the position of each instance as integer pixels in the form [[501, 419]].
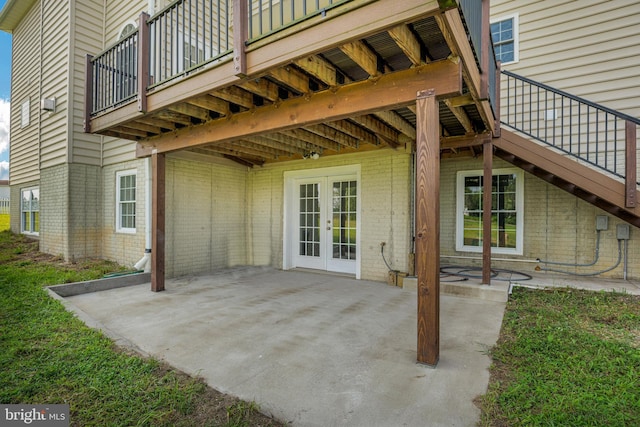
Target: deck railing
[[190, 34], [476, 18], [269, 16], [187, 35], [592, 133], [114, 74]]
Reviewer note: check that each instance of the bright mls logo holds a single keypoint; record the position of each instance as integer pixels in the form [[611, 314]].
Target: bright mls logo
[[34, 415]]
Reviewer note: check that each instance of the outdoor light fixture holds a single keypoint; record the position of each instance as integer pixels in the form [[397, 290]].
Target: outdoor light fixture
[[312, 155]]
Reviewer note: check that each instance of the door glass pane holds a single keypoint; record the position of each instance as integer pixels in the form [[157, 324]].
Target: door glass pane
[[309, 236], [344, 219]]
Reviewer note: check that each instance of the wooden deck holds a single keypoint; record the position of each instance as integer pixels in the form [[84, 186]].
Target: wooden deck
[[339, 83]]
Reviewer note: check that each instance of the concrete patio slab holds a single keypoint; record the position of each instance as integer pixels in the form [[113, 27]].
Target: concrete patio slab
[[310, 349]]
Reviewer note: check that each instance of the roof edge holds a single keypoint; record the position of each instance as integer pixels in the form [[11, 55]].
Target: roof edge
[[13, 12]]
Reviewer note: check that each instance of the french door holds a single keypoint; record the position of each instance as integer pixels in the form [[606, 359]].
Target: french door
[[324, 226]]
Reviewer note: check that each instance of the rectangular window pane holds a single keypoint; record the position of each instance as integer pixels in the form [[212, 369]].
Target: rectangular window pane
[[126, 202]]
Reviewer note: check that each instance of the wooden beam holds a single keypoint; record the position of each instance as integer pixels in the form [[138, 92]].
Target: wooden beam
[[394, 120], [261, 87], [461, 101], [267, 149], [157, 221], [361, 98], [294, 79], [305, 135], [333, 134], [380, 129], [487, 185], [362, 55], [319, 68], [191, 111], [462, 117], [143, 127], [406, 41], [211, 103], [428, 227], [153, 121], [176, 117], [354, 130], [456, 142], [235, 95], [631, 162], [131, 132], [293, 142], [277, 145]]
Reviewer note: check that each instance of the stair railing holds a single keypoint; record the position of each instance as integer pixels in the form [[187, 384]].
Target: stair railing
[[592, 133]]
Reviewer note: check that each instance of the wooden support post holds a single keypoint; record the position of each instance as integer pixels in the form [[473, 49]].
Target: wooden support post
[[428, 227], [144, 43], [496, 113], [485, 51], [240, 36], [631, 164], [88, 93], [487, 155], [157, 221]]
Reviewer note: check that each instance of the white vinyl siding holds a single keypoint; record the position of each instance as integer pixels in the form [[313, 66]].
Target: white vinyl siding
[[88, 39], [126, 201], [54, 127], [587, 48], [25, 85]]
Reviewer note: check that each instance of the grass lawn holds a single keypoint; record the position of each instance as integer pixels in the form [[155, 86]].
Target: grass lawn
[[48, 356], [4, 222], [566, 358]]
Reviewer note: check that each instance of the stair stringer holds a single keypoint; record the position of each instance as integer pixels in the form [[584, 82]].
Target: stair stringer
[[582, 181]]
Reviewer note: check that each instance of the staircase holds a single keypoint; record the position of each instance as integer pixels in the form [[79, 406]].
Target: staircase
[[581, 147]]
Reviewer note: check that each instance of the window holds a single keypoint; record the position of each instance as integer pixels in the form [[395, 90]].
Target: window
[[506, 211], [25, 114], [126, 202], [505, 39], [192, 55], [30, 211]]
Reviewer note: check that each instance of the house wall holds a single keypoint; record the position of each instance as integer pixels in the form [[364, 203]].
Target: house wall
[[587, 48], [25, 85], [557, 227], [123, 248], [206, 215], [87, 37], [385, 189]]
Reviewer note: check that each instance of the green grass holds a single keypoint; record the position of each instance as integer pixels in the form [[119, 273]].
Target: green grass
[[4, 222], [48, 356], [566, 358]]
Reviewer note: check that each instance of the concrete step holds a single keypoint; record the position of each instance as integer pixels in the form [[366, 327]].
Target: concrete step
[[496, 292]]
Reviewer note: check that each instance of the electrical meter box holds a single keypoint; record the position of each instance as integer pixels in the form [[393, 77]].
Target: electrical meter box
[[623, 232], [602, 222]]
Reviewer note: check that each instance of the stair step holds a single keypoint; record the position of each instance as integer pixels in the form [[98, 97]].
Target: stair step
[[464, 289]]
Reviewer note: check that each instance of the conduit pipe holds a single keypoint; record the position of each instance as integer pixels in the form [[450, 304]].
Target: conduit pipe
[[145, 262], [594, 273], [569, 264]]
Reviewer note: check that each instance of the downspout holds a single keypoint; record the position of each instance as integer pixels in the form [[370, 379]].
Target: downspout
[[145, 261]]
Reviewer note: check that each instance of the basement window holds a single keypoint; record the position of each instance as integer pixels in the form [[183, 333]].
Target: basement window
[[126, 201], [507, 196], [504, 32], [30, 211]]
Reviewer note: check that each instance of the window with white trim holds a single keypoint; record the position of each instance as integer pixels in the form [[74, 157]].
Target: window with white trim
[[126, 201], [504, 32], [30, 211], [507, 200]]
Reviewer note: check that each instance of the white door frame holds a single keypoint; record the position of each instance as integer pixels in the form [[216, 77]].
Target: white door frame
[[290, 242]]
